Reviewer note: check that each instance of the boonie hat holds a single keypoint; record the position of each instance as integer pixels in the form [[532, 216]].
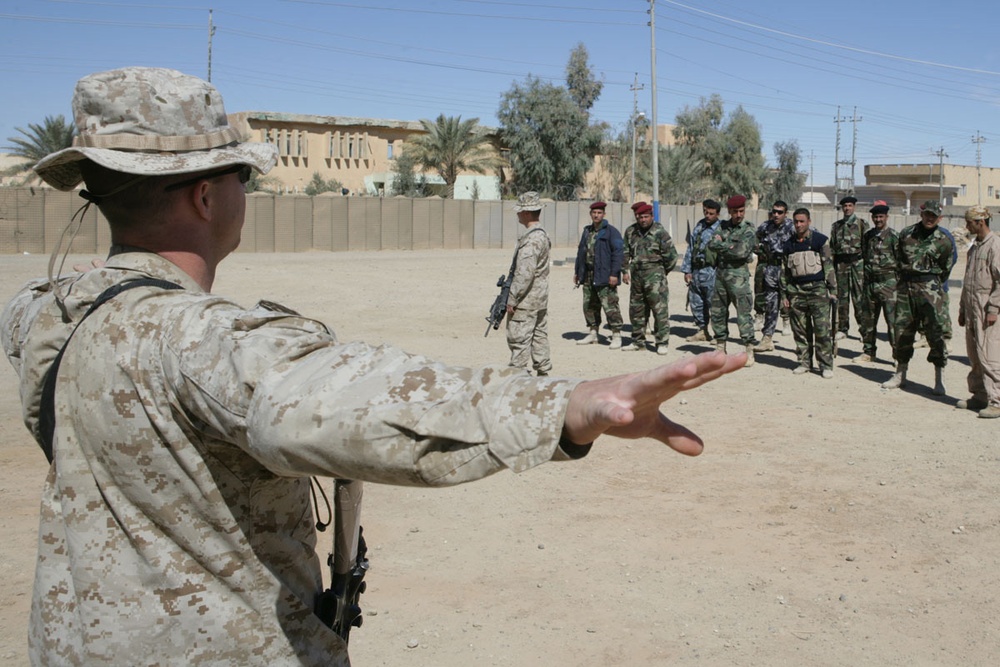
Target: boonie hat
[[150, 121], [528, 201], [931, 206], [977, 213]]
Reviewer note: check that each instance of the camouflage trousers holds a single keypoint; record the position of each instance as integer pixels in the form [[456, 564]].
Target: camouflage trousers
[[601, 297], [700, 295], [850, 287], [946, 324], [767, 296], [732, 287], [880, 299], [921, 306], [528, 339], [649, 292], [809, 314]]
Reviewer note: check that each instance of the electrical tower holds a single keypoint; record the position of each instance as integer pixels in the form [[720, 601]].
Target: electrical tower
[[845, 185], [978, 141]]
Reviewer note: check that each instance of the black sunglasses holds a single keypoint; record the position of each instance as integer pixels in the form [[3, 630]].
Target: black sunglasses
[[774, 212], [243, 170]]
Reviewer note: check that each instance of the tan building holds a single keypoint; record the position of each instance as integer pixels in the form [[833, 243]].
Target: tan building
[[905, 186], [357, 152]]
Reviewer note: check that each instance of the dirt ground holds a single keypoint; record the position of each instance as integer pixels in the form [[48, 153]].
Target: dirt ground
[[828, 522]]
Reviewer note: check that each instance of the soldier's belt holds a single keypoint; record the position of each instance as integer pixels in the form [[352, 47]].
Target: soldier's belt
[[920, 277], [731, 263], [846, 257]]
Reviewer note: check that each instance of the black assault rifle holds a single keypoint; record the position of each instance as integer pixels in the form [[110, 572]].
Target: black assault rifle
[[338, 606], [499, 308]]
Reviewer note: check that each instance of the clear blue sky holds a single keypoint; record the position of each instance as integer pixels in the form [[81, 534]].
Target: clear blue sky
[[923, 75]]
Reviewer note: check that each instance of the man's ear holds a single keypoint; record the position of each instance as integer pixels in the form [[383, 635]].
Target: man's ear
[[200, 198]]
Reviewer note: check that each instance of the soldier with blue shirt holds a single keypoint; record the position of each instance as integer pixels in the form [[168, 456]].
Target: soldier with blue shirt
[[699, 275]]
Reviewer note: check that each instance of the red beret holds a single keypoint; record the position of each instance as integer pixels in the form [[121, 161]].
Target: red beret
[[598, 204], [644, 208], [636, 206], [736, 201]]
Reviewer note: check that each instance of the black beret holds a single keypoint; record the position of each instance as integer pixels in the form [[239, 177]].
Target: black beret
[[877, 210], [848, 200]]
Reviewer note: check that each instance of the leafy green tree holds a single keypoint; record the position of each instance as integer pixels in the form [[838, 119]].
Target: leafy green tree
[[551, 141], [728, 148], [318, 185], [786, 183], [54, 134], [581, 83], [406, 182], [451, 146], [258, 183], [740, 169], [682, 176]]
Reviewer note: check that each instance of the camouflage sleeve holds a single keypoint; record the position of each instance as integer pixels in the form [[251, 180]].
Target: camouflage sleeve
[[524, 270], [668, 252], [628, 239], [829, 274], [283, 389]]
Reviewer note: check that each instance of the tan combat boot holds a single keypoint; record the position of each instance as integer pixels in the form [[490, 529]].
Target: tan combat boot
[[766, 345], [616, 340], [750, 359], [720, 345], [589, 339], [939, 389], [898, 378], [699, 337]]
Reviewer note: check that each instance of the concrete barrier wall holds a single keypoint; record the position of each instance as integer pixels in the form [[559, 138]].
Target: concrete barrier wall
[[32, 219]]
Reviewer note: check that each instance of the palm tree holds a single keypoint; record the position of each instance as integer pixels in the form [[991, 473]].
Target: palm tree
[[451, 146], [54, 134]]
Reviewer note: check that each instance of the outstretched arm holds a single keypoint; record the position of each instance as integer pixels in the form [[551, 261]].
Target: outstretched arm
[[628, 406]]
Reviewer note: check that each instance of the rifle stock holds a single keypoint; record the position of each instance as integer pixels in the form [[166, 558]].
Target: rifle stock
[[338, 606]]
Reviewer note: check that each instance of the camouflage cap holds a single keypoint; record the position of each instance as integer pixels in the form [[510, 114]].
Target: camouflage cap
[[931, 206], [977, 213], [528, 201], [150, 122]]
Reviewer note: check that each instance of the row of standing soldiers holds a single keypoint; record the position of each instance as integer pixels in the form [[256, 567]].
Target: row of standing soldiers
[[901, 276]]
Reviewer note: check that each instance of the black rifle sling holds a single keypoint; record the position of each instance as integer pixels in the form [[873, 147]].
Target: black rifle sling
[[47, 409]]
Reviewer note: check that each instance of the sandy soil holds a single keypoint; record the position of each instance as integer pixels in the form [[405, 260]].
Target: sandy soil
[[829, 522]]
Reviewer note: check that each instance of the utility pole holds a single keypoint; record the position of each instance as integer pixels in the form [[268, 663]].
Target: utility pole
[[812, 196], [837, 162], [636, 87], [656, 129], [211, 32], [978, 141], [941, 156]]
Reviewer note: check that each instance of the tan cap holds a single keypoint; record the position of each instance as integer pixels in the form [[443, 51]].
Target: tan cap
[[977, 213], [150, 122]]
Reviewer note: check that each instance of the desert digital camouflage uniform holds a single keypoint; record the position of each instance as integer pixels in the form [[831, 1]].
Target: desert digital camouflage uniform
[[528, 326], [731, 248], [925, 262], [771, 240], [845, 244], [981, 296], [176, 525], [880, 255], [650, 256], [808, 281]]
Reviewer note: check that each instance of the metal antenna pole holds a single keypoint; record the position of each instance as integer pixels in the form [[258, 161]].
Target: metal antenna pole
[[656, 129], [211, 32], [978, 140], [636, 87]]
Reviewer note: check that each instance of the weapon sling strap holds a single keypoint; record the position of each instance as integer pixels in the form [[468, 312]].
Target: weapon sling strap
[[47, 409], [513, 262]]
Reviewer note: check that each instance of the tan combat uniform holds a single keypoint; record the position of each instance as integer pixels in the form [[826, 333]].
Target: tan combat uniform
[[528, 326], [981, 295], [176, 525]]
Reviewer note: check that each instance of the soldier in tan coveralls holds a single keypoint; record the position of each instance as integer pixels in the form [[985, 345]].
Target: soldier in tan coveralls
[[528, 303], [175, 522], [978, 313]]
